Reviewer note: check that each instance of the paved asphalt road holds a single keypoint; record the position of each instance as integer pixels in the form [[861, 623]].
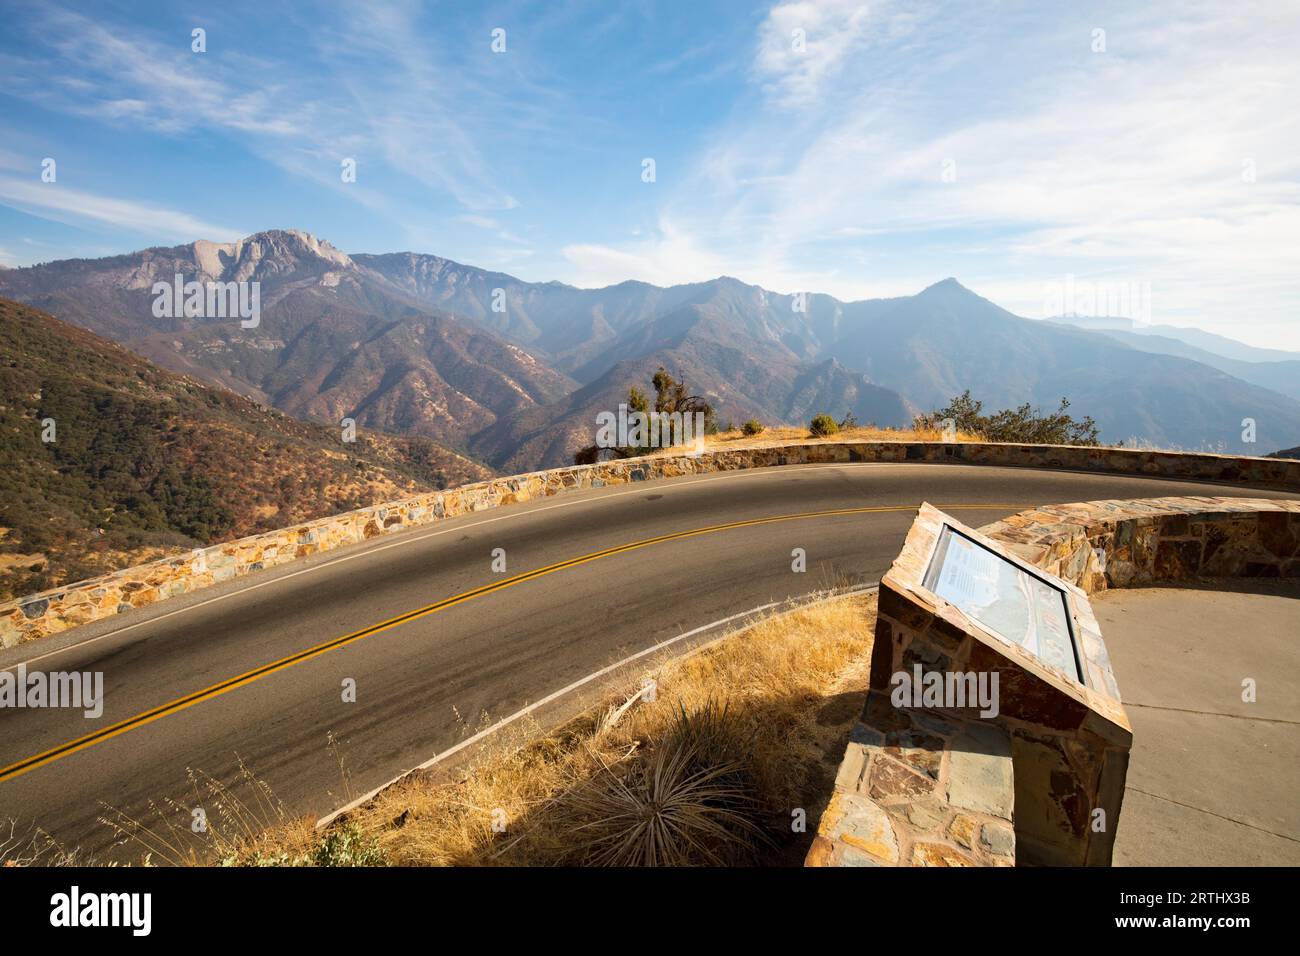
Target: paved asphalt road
[[425, 683]]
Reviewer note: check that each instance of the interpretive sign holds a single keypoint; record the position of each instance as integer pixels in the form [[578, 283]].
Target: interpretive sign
[[958, 606], [1007, 599]]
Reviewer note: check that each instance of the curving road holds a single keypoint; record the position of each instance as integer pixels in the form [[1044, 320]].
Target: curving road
[[435, 639]]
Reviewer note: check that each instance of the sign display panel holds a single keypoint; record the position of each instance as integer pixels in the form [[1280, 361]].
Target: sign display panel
[[1004, 597]]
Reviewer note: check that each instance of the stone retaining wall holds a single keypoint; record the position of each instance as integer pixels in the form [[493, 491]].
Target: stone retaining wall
[[58, 609], [1107, 544], [919, 789]]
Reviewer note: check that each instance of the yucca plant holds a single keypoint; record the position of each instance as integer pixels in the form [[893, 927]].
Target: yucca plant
[[687, 802]]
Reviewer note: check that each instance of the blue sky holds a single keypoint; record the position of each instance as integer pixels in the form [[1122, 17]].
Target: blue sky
[[1009, 145]]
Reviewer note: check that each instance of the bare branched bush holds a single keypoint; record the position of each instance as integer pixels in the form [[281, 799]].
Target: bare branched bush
[[33, 847]]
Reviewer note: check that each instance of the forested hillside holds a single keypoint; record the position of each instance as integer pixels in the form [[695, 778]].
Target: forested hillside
[[140, 462]]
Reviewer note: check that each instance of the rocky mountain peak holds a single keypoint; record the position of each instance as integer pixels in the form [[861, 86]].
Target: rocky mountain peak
[[949, 286], [265, 254]]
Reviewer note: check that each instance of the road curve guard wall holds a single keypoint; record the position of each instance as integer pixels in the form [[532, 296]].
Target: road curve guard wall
[[1108, 544], [58, 609]]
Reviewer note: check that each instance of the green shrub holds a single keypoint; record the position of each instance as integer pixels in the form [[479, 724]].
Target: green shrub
[[1024, 424], [347, 846], [752, 427], [822, 425], [341, 846]]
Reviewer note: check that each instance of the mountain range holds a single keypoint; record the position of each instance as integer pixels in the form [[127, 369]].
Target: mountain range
[[1269, 368], [513, 372]]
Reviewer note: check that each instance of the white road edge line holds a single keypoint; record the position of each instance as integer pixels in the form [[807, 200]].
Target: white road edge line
[[395, 544], [550, 698]]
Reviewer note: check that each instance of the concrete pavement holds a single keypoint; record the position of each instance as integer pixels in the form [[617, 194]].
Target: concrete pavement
[[1212, 778]]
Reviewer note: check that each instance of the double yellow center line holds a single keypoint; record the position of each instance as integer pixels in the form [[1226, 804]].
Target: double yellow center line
[[248, 677]]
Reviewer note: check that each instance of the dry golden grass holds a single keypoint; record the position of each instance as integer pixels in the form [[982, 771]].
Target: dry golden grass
[[785, 434], [792, 684], [239, 814]]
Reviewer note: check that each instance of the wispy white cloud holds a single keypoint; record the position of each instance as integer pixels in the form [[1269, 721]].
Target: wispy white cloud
[[132, 78], [63, 204], [804, 45], [403, 116], [407, 109]]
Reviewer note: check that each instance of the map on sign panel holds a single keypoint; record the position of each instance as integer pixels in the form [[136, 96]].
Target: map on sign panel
[[1004, 597]]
